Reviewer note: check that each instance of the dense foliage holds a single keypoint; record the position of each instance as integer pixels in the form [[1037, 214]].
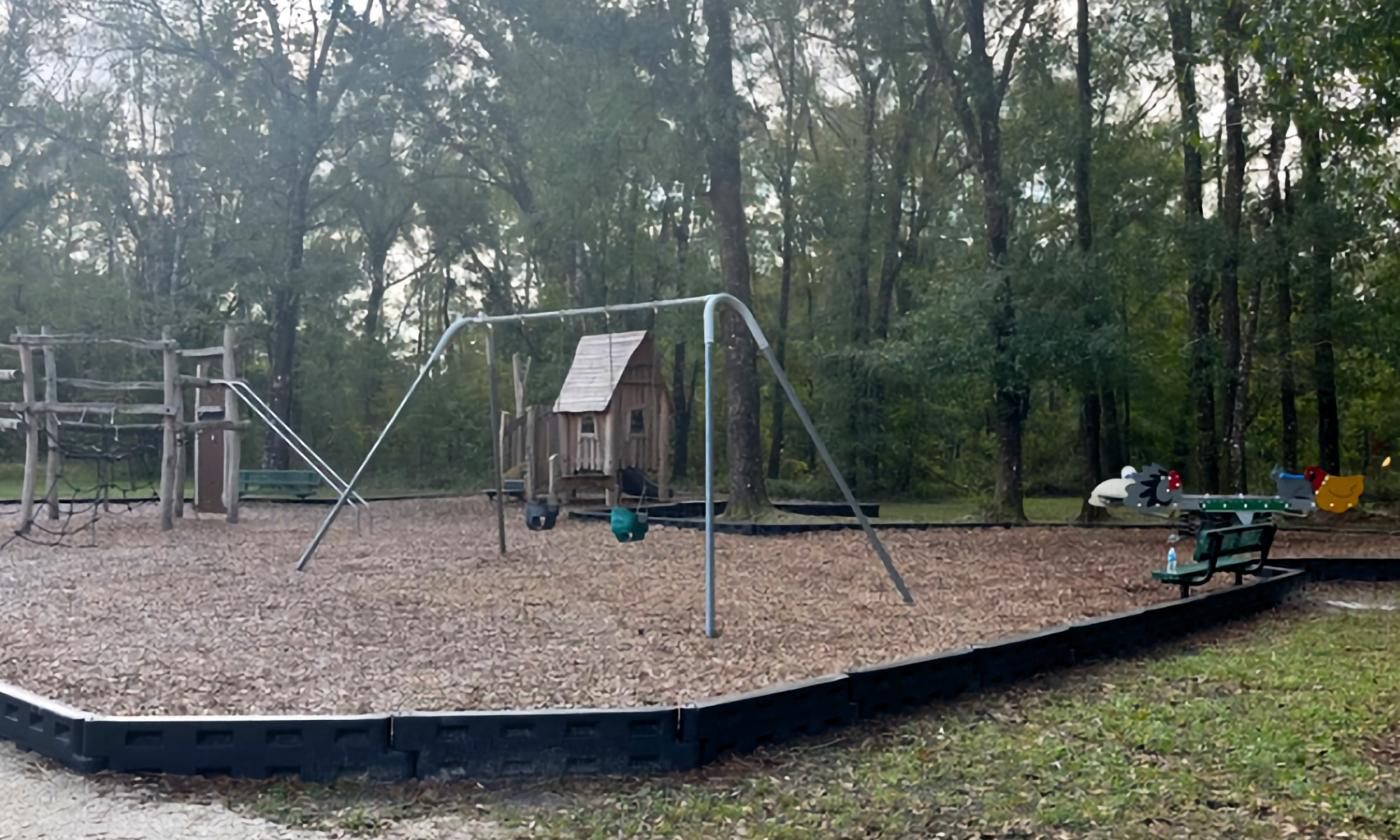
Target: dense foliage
[[970, 225]]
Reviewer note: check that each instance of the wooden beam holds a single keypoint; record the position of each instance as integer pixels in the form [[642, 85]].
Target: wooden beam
[[189, 425], [92, 407], [31, 340], [104, 385], [201, 352]]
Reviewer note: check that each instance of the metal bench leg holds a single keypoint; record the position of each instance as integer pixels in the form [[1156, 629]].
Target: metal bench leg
[[1239, 578], [1186, 590]]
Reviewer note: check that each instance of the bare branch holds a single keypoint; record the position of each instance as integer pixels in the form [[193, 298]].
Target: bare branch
[[1008, 58], [943, 62]]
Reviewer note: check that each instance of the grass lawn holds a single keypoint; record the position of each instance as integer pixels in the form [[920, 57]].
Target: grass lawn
[[1287, 725]]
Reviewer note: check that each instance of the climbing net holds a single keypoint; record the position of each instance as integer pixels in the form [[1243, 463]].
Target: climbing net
[[123, 462]]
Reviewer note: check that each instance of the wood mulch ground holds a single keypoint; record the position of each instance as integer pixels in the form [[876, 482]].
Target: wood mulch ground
[[422, 614]]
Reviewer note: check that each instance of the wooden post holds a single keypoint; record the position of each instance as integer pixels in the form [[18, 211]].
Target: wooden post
[[232, 453], [181, 442], [208, 446], [530, 477], [554, 479], [519, 378], [608, 429], [167, 442], [31, 438], [662, 436], [53, 469]]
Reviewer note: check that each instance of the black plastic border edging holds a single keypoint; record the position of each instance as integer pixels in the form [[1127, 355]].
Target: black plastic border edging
[[557, 742]]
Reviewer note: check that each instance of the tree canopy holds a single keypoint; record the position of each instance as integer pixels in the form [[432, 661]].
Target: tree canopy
[[1002, 246]]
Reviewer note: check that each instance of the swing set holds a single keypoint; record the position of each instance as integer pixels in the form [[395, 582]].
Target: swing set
[[627, 524]]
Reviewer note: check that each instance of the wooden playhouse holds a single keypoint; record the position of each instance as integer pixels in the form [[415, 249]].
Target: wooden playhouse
[[613, 414]]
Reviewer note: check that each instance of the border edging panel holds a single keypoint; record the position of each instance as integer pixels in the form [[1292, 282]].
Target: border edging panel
[[543, 742], [45, 726], [741, 723], [316, 748], [561, 742]]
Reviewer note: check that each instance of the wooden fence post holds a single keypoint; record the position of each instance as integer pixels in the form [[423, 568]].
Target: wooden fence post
[[167, 443], [31, 437], [54, 467], [181, 443]]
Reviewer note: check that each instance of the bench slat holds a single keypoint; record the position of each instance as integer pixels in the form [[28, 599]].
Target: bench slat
[[300, 483], [1231, 549]]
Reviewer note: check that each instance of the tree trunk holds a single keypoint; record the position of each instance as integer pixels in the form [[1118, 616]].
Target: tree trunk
[[792, 135], [1114, 454], [1198, 293], [680, 404], [892, 260], [748, 494], [1008, 378], [680, 411], [862, 429], [1090, 405], [977, 92], [1236, 402], [377, 256], [286, 318], [1283, 292], [1321, 290]]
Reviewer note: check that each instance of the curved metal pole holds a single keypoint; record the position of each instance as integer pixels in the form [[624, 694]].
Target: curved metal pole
[[264, 413], [709, 486], [320, 534], [762, 341]]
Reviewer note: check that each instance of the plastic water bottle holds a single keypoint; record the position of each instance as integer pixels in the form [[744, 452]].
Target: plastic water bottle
[[1171, 560]]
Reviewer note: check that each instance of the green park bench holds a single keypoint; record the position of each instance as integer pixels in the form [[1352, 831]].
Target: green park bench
[[1242, 549], [299, 483]]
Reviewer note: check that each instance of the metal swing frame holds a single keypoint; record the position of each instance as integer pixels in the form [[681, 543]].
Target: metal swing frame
[[711, 304]]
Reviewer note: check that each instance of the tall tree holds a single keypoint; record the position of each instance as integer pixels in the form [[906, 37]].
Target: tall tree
[[1280, 263], [1090, 404], [782, 40], [748, 492], [303, 63], [977, 89], [1236, 392], [1201, 385], [1318, 226]]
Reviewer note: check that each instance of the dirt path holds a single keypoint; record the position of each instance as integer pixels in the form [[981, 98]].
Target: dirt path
[[41, 801]]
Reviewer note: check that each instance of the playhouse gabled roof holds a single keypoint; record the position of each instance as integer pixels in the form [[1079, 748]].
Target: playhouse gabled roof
[[599, 361]]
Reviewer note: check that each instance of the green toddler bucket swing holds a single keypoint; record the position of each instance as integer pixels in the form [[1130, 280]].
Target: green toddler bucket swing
[[630, 525]]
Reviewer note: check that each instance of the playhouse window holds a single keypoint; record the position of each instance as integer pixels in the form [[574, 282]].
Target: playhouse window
[[586, 426], [637, 422]]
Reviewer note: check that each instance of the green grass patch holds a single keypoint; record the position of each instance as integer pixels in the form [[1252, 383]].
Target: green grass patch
[[1264, 732], [1285, 725]]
